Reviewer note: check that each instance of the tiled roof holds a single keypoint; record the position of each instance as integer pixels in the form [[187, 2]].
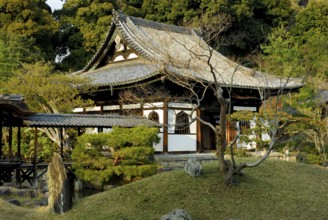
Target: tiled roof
[[85, 120], [121, 73], [182, 51]]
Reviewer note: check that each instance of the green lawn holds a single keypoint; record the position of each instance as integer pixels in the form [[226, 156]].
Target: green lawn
[[274, 190]]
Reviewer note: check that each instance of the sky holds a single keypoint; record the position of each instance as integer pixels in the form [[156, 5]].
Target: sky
[[55, 4]]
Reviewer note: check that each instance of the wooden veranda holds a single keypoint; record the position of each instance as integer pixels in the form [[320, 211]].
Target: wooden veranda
[[15, 114]]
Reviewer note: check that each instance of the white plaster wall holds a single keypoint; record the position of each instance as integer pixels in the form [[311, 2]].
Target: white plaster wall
[[186, 142], [159, 147]]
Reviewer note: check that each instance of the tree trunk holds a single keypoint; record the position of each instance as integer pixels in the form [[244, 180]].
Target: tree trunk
[[221, 143]]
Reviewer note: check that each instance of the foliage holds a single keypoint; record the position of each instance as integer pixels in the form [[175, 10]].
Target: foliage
[[83, 26], [46, 91], [309, 158], [134, 155], [15, 50], [262, 126], [303, 47], [237, 152], [131, 159], [33, 20], [137, 136], [45, 146], [312, 129], [251, 21]]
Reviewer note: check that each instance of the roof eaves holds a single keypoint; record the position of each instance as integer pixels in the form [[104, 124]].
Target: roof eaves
[[100, 50], [131, 42], [126, 82]]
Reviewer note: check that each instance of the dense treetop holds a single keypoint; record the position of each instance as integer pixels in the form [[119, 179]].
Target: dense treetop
[[71, 35]]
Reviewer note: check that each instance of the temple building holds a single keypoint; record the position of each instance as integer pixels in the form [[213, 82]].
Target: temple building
[[147, 69]]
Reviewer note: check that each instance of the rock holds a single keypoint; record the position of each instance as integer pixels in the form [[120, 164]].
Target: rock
[[8, 184], [78, 186], [60, 199], [26, 193], [13, 201], [4, 191], [43, 187], [109, 187], [193, 167], [176, 214]]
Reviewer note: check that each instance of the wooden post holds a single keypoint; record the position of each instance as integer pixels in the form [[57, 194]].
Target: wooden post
[[166, 126], [61, 142], [35, 173], [10, 143], [19, 144], [0, 137], [18, 177], [199, 135]]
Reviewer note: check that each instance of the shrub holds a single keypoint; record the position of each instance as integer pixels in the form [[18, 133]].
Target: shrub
[[238, 152], [137, 136], [133, 157], [309, 158]]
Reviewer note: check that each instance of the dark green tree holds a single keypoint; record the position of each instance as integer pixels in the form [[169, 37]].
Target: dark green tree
[[302, 50], [14, 50], [45, 90], [84, 24], [122, 154], [33, 20]]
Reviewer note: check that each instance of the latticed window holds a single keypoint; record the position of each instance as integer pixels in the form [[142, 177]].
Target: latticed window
[[182, 123], [153, 116]]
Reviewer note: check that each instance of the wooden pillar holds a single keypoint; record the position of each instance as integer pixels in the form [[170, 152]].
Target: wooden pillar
[[1, 137], [228, 132], [199, 135], [18, 176], [19, 144], [61, 142], [35, 173], [166, 126], [141, 109], [79, 131], [10, 153]]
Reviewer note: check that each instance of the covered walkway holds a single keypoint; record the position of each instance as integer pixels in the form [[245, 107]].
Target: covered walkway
[[15, 114]]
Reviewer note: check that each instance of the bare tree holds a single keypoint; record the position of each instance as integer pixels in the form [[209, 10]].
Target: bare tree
[[196, 67]]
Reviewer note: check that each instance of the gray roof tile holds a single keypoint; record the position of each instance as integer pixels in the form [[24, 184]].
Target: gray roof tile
[[182, 51], [85, 120], [121, 73]]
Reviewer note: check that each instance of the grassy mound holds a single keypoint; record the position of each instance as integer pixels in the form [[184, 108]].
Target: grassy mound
[[274, 190]]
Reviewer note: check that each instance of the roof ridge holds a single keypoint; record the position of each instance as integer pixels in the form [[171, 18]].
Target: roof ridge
[[119, 16]]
